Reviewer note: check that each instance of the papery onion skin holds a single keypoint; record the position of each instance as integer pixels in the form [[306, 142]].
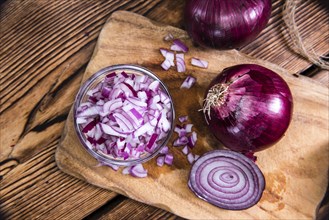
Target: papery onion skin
[[226, 24], [255, 110], [227, 179]]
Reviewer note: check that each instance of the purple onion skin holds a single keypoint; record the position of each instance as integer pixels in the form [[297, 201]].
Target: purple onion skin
[[226, 24], [257, 108]]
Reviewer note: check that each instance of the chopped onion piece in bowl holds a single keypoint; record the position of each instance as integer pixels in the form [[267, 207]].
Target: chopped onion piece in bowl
[[123, 115]]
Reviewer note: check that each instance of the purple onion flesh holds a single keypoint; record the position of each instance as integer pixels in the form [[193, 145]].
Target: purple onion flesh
[[226, 24], [227, 179], [248, 107]]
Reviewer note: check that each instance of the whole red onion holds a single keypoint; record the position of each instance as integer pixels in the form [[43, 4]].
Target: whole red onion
[[226, 24], [248, 107]]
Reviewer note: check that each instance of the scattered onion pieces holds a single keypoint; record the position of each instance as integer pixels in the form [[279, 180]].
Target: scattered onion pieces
[[179, 46], [190, 158], [177, 50], [168, 37], [227, 179], [183, 118], [138, 171], [160, 160], [180, 62], [199, 63], [188, 82], [169, 59]]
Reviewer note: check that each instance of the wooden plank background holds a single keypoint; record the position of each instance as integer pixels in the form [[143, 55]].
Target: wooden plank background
[[45, 46]]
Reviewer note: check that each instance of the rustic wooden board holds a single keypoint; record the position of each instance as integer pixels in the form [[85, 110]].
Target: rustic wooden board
[[295, 169]]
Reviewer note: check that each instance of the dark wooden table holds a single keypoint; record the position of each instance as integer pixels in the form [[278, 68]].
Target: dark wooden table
[[45, 46]]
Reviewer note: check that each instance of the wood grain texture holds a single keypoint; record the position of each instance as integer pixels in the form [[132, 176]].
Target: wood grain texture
[[44, 49], [274, 44], [293, 168], [29, 186], [121, 208]]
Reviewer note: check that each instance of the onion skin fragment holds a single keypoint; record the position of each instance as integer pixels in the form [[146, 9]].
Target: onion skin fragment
[[227, 179], [252, 112]]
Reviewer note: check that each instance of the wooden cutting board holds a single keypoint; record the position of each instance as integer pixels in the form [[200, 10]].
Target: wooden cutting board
[[295, 169]]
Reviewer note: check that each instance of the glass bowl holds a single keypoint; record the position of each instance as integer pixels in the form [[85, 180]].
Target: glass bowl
[[82, 96]]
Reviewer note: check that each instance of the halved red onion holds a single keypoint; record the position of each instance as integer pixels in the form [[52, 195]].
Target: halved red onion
[[227, 179], [199, 63], [188, 82]]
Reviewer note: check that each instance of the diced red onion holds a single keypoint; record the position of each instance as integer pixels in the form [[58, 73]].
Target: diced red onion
[[164, 150], [182, 131], [164, 52], [106, 92], [89, 112], [183, 119], [109, 130], [199, 63], [169, 59], [98, 132], [138, 171], [179, 46], [180, 141], [188, 82], [81, 120], [180, 62], [190, 158], [89, 126], [169, 37], [227, 179], [109, 77], [188, 127], [169, 159], [152, 141], [126, 170], [192, 139], [160, 160], [166, 65], [129, 120], [124, 74], [185, 150]]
